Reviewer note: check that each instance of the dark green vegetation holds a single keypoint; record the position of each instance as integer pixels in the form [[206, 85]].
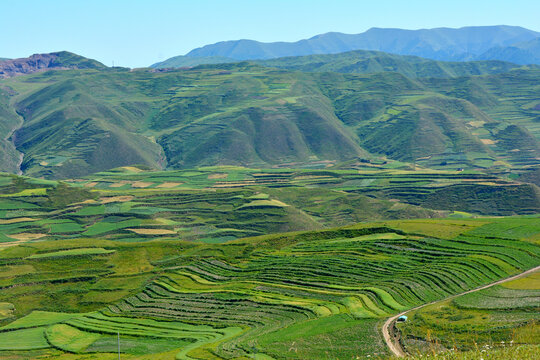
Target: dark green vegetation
[[245, 114], [320, 294]]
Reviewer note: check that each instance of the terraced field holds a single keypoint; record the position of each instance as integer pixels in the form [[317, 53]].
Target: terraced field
[[501, 316], [225, 203], [319, 294]]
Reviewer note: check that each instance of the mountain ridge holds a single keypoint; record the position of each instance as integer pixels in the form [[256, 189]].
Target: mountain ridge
[[521, 53], [448, 44], [365, 61]]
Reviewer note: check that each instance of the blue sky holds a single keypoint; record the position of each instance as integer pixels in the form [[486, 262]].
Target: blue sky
[[139, 33]]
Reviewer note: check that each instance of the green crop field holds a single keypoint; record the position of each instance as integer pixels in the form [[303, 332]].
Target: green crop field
[[224, 203], [498, 317], [317, 294]]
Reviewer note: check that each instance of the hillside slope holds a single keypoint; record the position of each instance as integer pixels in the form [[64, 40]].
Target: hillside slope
[[9, 122], [364, 62], [245, 114], [187, 61], [256, 297]]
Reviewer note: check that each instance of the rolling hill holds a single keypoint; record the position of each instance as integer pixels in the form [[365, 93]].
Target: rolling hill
[[463, 44], [66, 122], [186, 61], [366, 62]]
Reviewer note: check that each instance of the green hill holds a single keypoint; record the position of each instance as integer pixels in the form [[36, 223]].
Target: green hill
[[185, 61], [363, 62], [249, 115], [217, 204]]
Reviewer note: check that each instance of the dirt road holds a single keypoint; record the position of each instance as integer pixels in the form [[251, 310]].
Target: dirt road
[[396, 348]]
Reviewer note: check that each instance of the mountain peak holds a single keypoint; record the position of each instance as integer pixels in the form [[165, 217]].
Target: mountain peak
[[60, 60]]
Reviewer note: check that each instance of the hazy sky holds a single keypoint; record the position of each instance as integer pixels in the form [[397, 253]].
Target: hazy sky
[[138, 33]]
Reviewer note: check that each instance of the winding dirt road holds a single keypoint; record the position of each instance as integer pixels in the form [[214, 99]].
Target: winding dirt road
[[394, 345]]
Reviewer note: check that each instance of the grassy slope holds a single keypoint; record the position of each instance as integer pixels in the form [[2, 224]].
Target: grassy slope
[[185, 61], [312, 292], [9, 156], [71, 60], [241, 114], [364, 62]]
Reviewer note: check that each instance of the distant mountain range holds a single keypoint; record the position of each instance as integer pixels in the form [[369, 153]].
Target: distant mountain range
[[508, 43], [527, 52]]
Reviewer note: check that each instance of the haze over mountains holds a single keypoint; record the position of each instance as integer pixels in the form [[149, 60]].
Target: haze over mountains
[[508, 43]]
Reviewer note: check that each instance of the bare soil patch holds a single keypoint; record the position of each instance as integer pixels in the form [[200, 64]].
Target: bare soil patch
[[218, 176], [5, 245], [26, 236], [119, 184], [123, 198], [152, 231], [141, 184], [168, 185], [16, 220]]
